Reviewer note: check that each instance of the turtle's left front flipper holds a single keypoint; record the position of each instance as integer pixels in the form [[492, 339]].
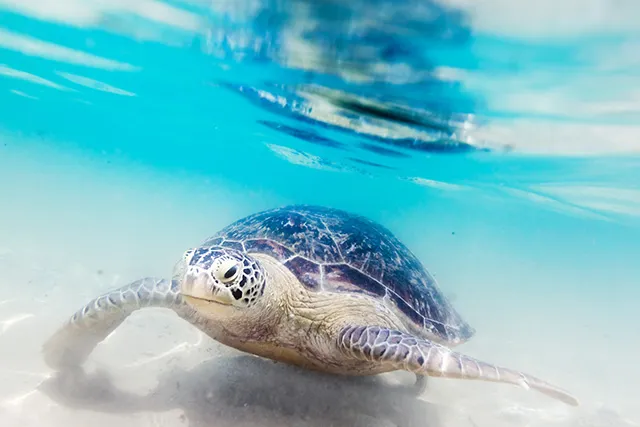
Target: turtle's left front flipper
[[407, 352], [72, 343]]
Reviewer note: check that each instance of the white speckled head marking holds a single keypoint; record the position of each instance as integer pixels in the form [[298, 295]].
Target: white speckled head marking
[[222, 275]]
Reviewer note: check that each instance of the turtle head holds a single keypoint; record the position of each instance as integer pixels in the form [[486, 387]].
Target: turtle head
[[222, 276]]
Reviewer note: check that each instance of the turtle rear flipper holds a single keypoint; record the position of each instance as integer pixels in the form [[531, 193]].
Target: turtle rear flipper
[[421, 356], [70, 345]]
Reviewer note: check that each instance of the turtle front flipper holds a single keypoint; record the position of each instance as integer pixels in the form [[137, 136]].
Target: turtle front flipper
[[71, 344], [407, 352]]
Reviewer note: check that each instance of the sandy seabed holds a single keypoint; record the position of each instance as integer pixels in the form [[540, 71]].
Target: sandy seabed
[[64, 241]]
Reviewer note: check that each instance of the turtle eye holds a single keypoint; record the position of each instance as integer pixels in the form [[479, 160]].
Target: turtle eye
[[228, 271]]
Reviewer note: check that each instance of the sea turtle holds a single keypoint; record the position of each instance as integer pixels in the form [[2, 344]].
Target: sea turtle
[[312, 286]]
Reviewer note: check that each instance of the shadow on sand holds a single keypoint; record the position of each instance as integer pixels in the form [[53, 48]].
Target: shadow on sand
[[250, 391]]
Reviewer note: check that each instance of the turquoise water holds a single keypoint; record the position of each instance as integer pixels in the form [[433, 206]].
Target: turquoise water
[[498, 141]]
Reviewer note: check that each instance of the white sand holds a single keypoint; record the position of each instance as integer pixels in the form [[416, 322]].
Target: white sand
[[69, 233]]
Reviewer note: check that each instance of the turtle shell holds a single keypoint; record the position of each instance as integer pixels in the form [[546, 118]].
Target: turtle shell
[[333, 250]]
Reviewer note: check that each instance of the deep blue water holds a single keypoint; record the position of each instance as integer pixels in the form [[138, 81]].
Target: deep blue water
[[500, 142]]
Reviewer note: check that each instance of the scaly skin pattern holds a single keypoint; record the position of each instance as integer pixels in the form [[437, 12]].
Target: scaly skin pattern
[[406, 352], [71, 344]]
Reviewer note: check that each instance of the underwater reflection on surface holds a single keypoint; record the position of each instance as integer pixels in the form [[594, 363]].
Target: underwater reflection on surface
[[373, 69]]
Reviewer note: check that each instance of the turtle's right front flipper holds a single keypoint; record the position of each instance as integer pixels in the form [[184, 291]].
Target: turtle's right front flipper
[[75, 340], [420, 356]]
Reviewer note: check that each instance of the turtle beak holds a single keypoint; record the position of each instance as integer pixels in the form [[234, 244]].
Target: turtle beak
[[198, 286], [205, 303]]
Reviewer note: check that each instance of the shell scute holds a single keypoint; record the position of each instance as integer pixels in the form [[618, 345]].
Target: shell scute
[[295, 231], [345, 278], [269, 247]]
